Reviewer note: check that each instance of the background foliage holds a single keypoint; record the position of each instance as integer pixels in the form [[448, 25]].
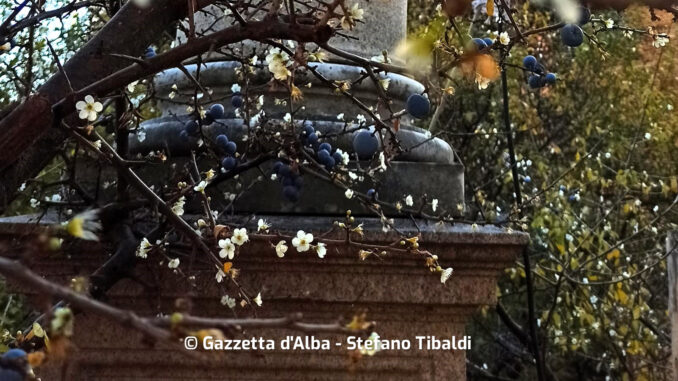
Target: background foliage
[[597, 160], [598, 163]]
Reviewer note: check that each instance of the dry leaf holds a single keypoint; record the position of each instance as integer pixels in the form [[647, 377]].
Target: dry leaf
[[227, 267], [35, 359], [221, 231], [486, 66]]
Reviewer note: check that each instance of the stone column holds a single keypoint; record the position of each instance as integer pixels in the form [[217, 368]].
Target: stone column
[[383, 26]]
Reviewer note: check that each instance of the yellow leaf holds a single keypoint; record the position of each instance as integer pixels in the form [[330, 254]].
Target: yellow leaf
[[359, 323], [561, 248], [674, 184], [490, 7], [556, 319], [623, 329], [613, 254], [621, 296], [636, 313]]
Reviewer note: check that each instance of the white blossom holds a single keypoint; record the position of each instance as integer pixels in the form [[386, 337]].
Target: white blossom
[[220, 275], [144, 247], [262, 225], [173, 263], [227, 248], [240, 236], [504, 38], [132, 86], [345, 158], [382, 161], [281, 249], [277, 64], [321, 249], [178, 207], [352, 14], [88, 108], [228, 301], [302, 242], [258, 300], [200, 187], [445, 274], [374, 345]]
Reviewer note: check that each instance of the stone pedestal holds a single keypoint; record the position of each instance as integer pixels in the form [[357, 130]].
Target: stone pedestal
[[398, 293]]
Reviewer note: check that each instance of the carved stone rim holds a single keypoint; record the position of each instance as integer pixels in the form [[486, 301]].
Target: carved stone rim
[[222, 74]]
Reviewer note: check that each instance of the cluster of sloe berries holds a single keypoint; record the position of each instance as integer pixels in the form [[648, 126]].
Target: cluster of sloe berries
[[291, 181], [366, 143], [539, 78], [572, 34], [323, 151], [482, 43], [228, 148], [192, 127]]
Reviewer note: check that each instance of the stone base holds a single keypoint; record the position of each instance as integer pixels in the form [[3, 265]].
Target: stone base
[[399, 293]]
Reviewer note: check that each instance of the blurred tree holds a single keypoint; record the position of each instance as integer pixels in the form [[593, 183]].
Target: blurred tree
[[597, 165]]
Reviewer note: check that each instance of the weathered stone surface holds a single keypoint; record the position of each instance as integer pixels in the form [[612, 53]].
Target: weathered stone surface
[[163, 134], [388, 17], [320, 102], [412, 172], [397, 292]]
